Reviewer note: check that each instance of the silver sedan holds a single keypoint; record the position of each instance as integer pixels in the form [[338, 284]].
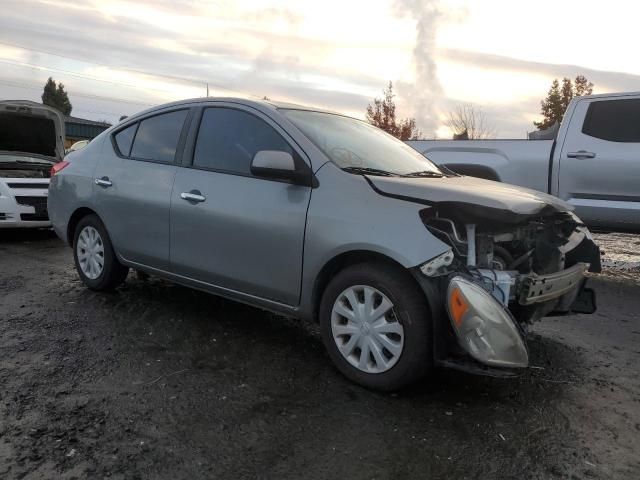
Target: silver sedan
[[323, 217]]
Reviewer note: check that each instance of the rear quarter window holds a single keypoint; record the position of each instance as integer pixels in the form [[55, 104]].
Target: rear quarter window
[[614, 120], [157, 137], [124, 139]]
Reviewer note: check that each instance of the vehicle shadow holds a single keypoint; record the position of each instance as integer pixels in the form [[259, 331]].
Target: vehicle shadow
[[16, 235], [201, 370], [192, 322]]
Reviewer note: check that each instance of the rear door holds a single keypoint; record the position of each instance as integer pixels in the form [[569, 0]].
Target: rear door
[[600, 162], [133, 182], [244, 233]]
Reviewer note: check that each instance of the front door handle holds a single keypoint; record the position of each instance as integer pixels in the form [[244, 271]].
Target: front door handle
[[193, 196], [581, 154], [103, 182]]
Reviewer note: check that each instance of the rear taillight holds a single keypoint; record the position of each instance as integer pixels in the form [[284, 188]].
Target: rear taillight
[[58, 167]]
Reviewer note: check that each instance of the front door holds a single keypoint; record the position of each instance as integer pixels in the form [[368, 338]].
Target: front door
[[229, 228], [600, 162]]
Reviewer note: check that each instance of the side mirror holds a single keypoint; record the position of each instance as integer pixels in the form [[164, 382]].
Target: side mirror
[[277, 165]]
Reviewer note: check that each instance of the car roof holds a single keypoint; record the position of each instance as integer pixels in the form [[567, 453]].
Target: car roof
[[256, 103], [610, 95]]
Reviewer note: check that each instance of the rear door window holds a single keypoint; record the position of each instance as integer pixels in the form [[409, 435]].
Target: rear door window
[[614, 120], [124, 139], [228, 139], [157, 137]]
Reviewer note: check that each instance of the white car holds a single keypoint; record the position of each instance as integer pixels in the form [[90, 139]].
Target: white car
[[79, 145], [31, 143]]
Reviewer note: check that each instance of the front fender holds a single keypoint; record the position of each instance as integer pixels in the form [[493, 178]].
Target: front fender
[[346, 214]]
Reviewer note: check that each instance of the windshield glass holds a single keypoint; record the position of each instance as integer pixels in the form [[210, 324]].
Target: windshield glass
[[357, 146]]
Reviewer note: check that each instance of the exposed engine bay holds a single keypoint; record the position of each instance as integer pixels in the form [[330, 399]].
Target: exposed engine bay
[[502, 274], [516, 255], [531, 267]]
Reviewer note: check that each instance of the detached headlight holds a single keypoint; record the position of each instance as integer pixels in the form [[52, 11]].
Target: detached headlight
[[484, 327]]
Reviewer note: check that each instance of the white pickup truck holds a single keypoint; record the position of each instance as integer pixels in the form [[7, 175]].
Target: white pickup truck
[[594, 162]]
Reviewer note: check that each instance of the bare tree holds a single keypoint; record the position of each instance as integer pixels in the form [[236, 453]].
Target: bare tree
[[468, 121]]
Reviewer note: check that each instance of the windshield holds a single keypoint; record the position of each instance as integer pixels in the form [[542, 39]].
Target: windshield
[[358, 147]]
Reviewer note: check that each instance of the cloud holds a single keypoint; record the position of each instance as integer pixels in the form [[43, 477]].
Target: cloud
[[515, 117], [506, 122], [604, 81], [275, 51], [425, 91], [274, 15], [242, 58]]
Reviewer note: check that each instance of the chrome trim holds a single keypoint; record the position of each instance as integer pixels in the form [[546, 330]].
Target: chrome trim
[[192, 197]]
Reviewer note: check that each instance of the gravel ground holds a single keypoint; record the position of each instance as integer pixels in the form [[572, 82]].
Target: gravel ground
[[158, 381], [621, 254]]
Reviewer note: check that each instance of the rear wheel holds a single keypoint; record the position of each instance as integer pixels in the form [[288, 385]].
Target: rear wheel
[[94, 257], [376, 326]]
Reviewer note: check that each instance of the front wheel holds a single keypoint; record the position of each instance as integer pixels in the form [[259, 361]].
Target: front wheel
[[94, 257], [376, 326]]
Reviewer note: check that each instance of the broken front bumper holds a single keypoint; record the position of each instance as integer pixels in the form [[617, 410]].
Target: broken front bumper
[[543, 288]]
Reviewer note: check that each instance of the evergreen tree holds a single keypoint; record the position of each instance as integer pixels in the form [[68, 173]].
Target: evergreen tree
[[567, 93], [582, 86], [557, 101], [55, 96], [552, 108]]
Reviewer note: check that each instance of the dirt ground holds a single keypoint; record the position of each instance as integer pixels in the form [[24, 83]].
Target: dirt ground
[[158, 381]]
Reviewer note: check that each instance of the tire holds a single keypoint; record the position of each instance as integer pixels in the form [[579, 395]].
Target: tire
[[91, 234], [410, 310]]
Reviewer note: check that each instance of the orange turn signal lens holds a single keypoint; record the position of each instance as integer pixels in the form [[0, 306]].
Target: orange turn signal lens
[[458, 306]]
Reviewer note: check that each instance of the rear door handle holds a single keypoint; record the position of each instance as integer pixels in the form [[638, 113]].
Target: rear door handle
[[581, 154], [103, 182], [193, 196]]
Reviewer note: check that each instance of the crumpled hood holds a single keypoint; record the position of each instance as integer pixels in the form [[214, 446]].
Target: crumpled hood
[[468, 190], [31, 129]]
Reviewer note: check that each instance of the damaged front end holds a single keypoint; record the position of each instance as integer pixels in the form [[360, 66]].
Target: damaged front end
[[516, 255], [503, 272]]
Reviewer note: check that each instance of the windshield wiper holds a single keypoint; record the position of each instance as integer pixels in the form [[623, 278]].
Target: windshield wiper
[[425, 173], [368, 171]]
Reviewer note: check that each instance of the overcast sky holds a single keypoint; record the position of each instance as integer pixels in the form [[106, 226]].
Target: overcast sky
[[116, 57]]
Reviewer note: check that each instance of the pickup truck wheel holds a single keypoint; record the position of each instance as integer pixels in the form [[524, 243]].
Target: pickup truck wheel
[[94, 257], [376, 326]]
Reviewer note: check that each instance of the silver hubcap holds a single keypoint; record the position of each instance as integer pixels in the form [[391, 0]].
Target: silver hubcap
[[366, 329], [90, 251]]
